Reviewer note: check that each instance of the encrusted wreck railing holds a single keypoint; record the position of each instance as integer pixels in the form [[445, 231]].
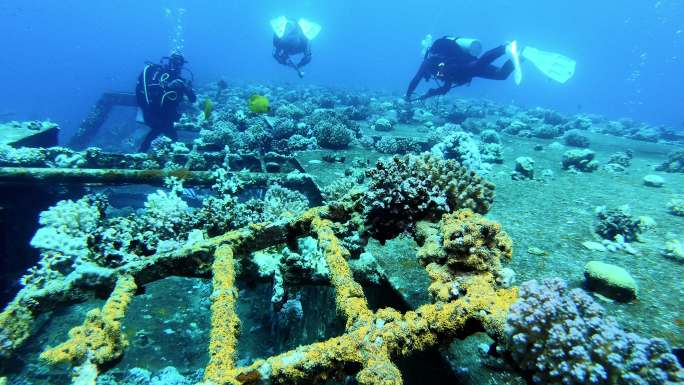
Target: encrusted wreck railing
[[368, 347]]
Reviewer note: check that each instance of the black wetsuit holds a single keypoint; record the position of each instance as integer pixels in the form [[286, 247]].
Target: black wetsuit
[[453, 66], [293, 42], [165, 91]]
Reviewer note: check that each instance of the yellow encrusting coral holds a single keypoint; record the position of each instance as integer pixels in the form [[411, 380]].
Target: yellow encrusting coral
[[15, 325], [461, 253], [465, 241], [350, 298], [225, 324], [99, 339]]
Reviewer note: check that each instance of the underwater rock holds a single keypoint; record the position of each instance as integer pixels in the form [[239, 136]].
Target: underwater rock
[[580, 160], [674, 250], [594, 246], [383, 124], [610, 280], [654, 180], [562, 336], [575, 138], [524, 168], [29, 134]]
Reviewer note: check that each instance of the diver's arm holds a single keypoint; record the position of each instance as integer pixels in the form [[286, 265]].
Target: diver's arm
[[416, 79], [190, 93], [437, 91], [281, 57]]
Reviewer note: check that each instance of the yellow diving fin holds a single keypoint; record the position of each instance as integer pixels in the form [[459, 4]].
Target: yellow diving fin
[[554, 65], [278, 25], [309, 28]]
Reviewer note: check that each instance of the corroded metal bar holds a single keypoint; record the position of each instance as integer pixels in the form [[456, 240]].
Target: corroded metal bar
[[398, 334], [99, 339], [304, 183], [225, 324], [377, 367], [349, 295], [101, 176]]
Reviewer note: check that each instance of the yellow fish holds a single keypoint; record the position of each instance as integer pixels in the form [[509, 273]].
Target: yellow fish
[[208, 108], [258, 104]]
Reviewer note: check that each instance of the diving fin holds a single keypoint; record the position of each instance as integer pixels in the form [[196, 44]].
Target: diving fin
[[278, 25], [139, 117], [426, 43], [556, 66], [512, 50], [310, 29]]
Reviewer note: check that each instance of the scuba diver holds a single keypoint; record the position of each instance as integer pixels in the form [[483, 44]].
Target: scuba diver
[[453, 62], [293, 38], [159, 91]]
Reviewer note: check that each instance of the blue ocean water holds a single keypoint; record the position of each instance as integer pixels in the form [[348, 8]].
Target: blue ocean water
[[580, 197], [59, 56]]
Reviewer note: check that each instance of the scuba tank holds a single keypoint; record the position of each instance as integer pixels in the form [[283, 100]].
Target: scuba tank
[[472, 46]]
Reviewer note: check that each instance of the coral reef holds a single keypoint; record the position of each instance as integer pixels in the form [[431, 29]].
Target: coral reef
[[331, 129], [676, 206], [563, 336], [464, 241], [404, 190], [617, 222], [674, 162], [575, 138], [460, 147]]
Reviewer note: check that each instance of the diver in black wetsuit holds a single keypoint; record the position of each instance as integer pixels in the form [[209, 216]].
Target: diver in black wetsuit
[[159, 91], [293, 42], [452, 65]]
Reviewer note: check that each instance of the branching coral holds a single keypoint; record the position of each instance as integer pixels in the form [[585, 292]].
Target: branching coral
[[404, 190], [563, 336], [617, 222], [67, 224], [332, 129], [460, 147]]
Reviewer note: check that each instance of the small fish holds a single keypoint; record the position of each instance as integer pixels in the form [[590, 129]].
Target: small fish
[[258, 104]]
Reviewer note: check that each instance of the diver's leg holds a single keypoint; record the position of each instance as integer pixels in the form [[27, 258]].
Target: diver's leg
[[170, 131], [491, 55], [495, 73], [152, 135]]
